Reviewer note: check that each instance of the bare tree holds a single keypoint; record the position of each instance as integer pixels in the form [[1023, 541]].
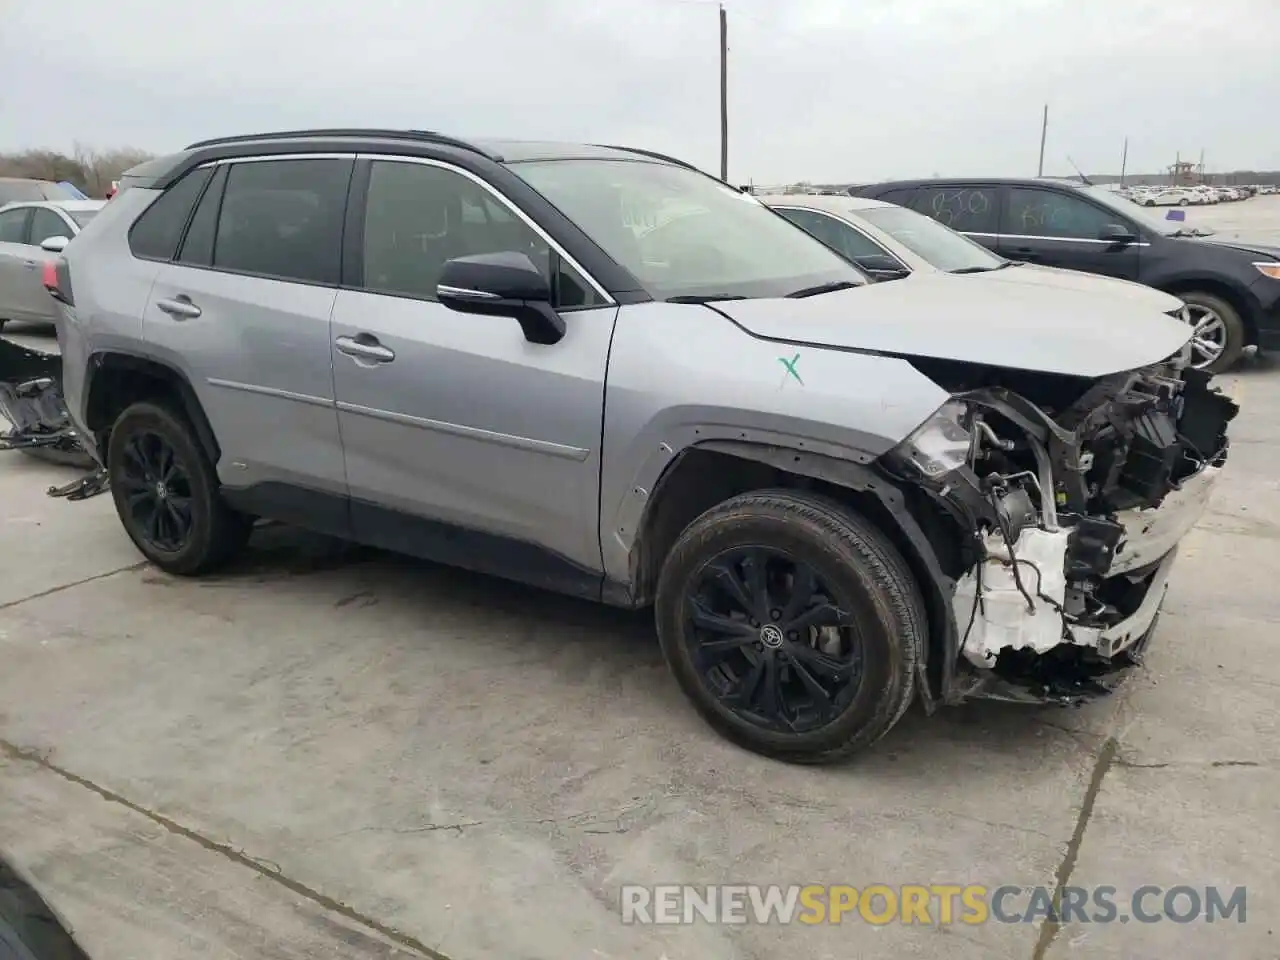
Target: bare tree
[[90, 170]]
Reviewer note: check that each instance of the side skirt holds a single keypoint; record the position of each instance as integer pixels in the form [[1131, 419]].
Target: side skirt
[[427, 539]]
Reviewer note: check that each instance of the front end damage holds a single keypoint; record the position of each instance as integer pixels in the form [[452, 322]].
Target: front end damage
[[1070, 497]]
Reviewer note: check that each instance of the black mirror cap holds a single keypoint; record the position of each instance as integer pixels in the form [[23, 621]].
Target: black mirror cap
[[503, 284], [1117, 233], [496, 276]]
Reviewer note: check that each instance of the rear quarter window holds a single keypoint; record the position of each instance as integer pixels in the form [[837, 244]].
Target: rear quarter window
[[964, 208], [902, 196], [156, 234]]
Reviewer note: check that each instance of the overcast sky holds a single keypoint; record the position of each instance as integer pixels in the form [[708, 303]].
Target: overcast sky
[[819, 89]]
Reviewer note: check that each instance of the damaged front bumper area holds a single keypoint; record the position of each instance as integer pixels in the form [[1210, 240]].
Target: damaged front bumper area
[[1071, 510]]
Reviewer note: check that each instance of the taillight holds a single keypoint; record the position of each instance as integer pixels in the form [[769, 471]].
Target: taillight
[[56, 277]]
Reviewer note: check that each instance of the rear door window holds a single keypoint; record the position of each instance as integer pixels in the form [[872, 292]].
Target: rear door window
[[13, 225], [197, 247], [962, 207], [283, 219], [156, 234]]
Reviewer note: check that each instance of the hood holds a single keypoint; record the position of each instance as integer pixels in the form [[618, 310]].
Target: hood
[[1053, 277], [944, 316], [1244, 246]]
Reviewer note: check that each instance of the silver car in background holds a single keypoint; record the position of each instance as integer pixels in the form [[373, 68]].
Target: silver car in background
[[33, 233], [891, 242]]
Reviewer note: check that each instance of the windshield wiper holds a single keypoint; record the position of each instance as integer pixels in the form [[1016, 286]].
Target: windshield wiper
[[998, 266], [704, 298], [823, 288]]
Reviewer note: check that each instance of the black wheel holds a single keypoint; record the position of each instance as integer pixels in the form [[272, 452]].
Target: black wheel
[[1219, 337], [166, 493], [792, 624]]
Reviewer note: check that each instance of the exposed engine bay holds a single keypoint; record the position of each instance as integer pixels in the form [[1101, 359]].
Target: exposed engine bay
[[1076, 493]]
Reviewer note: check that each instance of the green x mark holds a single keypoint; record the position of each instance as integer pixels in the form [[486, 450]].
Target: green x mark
[[791, 367]]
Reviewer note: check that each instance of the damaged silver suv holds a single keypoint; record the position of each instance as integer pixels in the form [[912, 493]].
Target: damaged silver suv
[[600, 371]]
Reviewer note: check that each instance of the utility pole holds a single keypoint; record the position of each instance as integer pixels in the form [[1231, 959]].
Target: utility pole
[[724, 95], [1202, 164], [1044, 130], [1124, 160]]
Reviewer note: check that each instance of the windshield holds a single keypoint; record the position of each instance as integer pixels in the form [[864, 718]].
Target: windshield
[[683, 234], [81, 217], [930, 240], [1140, 215]]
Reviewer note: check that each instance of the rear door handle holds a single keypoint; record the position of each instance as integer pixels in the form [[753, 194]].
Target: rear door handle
[[364, 346], [31, 264], [180, 307], [1023, 253]]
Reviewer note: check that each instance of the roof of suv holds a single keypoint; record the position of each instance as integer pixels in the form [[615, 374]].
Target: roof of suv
[[162, 171]]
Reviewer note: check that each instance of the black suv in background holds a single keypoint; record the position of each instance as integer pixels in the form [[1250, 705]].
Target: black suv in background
[[1231, 287]]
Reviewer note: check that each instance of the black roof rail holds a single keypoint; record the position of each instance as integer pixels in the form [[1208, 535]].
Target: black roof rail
[[428, 136], [648, 153]]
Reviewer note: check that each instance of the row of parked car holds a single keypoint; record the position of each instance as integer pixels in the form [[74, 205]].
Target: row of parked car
[[1187, 196], [855, 451]]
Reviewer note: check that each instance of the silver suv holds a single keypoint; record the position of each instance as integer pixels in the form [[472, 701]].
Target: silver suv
[[600, 371]]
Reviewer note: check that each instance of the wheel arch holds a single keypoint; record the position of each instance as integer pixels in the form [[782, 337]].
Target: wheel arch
[[117, 379], [1214, 286], [707, 473]]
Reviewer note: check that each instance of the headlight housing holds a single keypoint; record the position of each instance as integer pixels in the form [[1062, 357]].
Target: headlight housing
[[938, 446]]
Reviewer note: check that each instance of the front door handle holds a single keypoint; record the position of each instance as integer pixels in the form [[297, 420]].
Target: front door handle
[[1023, 253], [364, 346], [180, 307]]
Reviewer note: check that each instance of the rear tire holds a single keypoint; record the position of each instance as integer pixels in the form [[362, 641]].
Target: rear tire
[[863, 593], [166, 493]]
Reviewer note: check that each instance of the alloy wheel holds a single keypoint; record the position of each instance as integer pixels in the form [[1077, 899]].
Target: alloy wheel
[[1209, 337], [156, 490], [771, 641]]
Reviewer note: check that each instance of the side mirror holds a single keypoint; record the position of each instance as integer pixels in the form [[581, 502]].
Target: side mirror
[[54, 244], [882, 267], [1117, 233], [502, 285]]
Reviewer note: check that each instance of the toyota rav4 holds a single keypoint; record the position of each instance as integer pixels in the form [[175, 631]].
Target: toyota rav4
[[601, 371]]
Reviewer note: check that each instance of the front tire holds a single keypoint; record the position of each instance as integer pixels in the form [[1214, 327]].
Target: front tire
[[1220, 334], [792, 624], [166, 493]]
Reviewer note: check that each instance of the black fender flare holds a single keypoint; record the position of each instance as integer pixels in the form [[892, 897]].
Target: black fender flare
[[172, 376], [935, 585]]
